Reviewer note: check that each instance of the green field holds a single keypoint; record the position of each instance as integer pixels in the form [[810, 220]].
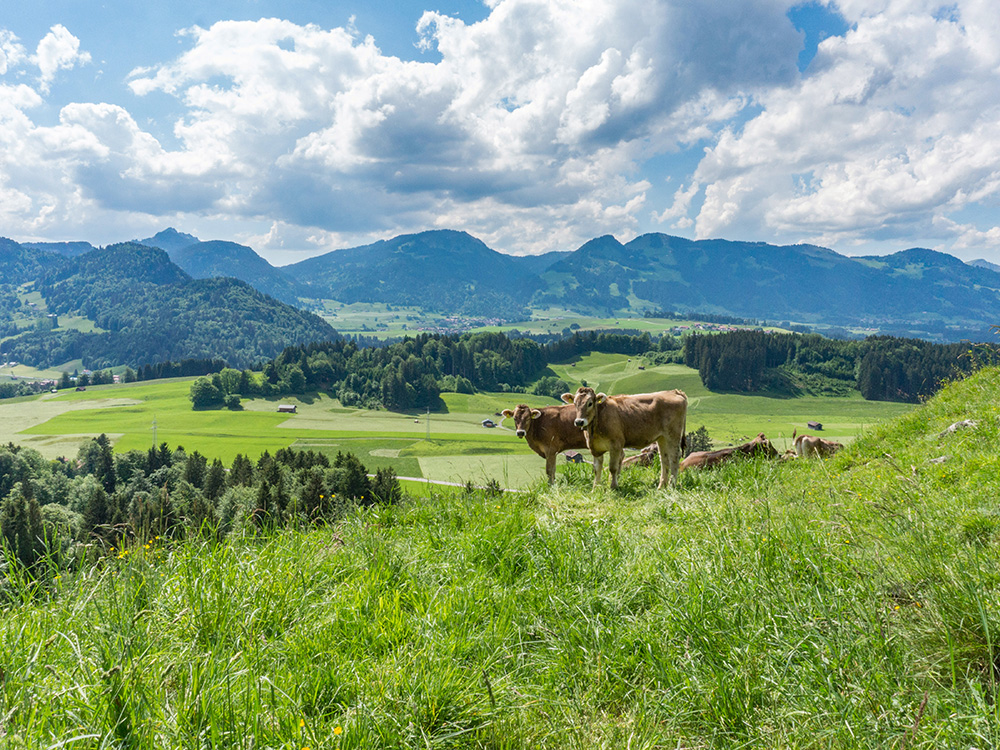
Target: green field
[[449, 444]]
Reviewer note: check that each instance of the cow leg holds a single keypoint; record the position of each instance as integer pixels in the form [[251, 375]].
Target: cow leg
[[617, 454], [669, 460], [550, 466], [598, 466]]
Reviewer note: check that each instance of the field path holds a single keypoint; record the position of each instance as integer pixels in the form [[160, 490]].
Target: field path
[[20, 416]]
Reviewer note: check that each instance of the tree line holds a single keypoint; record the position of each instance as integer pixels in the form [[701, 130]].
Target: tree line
[[413, 372], [882, 368], [53, 512]]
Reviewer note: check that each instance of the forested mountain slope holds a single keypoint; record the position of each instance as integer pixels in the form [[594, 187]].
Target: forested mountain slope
[[150, 311]]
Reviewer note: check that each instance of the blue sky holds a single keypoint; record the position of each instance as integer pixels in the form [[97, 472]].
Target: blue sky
[[868, 126]]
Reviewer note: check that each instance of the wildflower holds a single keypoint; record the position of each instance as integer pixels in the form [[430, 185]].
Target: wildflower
[[302, 723], [338, 730]]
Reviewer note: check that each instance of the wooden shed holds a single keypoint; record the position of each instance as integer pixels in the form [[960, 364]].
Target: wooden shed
[[814, 425], [287, 408]]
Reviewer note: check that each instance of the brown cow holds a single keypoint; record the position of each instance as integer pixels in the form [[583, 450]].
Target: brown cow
[[611, 424], [759, 446], [807, 446], [549, 432]]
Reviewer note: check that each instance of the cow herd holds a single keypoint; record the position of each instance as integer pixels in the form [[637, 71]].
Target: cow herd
[[654, 422]]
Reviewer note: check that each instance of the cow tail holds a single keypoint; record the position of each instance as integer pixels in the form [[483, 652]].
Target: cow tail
[[684, 443]]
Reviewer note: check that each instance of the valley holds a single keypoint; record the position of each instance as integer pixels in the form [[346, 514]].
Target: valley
[[449, 444]]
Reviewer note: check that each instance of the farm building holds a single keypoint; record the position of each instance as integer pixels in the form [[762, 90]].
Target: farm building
[[814, 425], [489, 423], [573, 457], [287, 408]]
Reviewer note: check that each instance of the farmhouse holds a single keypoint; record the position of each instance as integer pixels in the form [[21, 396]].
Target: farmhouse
[[489, 423], [287, 408], [814, 425]]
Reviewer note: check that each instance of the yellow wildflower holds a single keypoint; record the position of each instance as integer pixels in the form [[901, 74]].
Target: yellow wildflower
[[338, 730]]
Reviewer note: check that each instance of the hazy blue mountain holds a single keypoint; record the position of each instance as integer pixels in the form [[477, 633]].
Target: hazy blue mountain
[[170, 240], [69, 249], [204, 260], [441, 270], [983, 263], [539, 263], [798, 282]]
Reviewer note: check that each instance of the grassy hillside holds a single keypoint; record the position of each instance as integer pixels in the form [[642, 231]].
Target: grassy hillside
[[840, 604]]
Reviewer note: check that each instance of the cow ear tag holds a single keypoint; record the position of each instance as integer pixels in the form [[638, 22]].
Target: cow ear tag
[[567, 397], [507, 413], [602, 397], [535, 413]]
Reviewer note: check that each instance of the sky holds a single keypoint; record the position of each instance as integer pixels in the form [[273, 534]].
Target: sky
[[304, 126]]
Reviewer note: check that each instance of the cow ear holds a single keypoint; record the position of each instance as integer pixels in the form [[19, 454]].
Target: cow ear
[[536, 413], [602, 397], [507, 413], [567, 397]]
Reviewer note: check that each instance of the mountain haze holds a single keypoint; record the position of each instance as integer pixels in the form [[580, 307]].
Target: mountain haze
[[204, 260], [441, 270]]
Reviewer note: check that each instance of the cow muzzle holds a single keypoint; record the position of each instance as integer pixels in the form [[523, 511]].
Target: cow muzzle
[[520, 433], [580, 422]]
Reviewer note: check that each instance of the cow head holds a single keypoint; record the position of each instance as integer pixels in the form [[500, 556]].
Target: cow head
[[764, 447], [522, 414], [586, 402]]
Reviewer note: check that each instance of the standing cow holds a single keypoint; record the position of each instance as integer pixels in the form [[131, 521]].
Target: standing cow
[[549, 432], [612, 423]]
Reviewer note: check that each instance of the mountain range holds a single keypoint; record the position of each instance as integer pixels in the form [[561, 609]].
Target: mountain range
[[914, 292]]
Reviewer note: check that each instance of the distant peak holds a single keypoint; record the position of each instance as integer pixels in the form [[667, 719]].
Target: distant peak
[[170, 239]]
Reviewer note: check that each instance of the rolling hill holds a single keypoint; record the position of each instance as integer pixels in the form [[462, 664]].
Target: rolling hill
[[150, 310]]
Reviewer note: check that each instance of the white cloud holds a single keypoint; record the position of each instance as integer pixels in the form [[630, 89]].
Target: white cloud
[[532, 128], [11, 52], [897, 125], [58, 50]]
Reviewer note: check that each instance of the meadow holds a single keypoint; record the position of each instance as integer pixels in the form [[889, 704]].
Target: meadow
[[448, 444], [847, 603]]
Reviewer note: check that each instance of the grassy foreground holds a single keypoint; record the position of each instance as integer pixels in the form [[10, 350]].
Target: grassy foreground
[[839, 604]]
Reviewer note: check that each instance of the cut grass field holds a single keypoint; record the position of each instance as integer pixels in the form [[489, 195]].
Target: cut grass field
[[456, 447], [847, 603]]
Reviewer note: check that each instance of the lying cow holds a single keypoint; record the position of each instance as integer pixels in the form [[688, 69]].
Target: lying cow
[[549, 432], [807, 446], [645, 457], [759, 446], [612, 423]]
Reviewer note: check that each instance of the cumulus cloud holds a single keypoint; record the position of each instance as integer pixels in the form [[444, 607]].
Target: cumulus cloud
[[58, 50], [11, 51], [896, 125], [532, 127], [519, 124]]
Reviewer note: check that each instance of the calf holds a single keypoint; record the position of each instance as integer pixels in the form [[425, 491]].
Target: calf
[[549, 432], [759, 446], [807, 446], [612, 423]]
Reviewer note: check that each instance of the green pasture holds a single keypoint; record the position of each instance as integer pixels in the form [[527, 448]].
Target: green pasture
[[449, 444], [729, 417]]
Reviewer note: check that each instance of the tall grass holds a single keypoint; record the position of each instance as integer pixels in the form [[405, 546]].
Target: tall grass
[[839, 604]]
